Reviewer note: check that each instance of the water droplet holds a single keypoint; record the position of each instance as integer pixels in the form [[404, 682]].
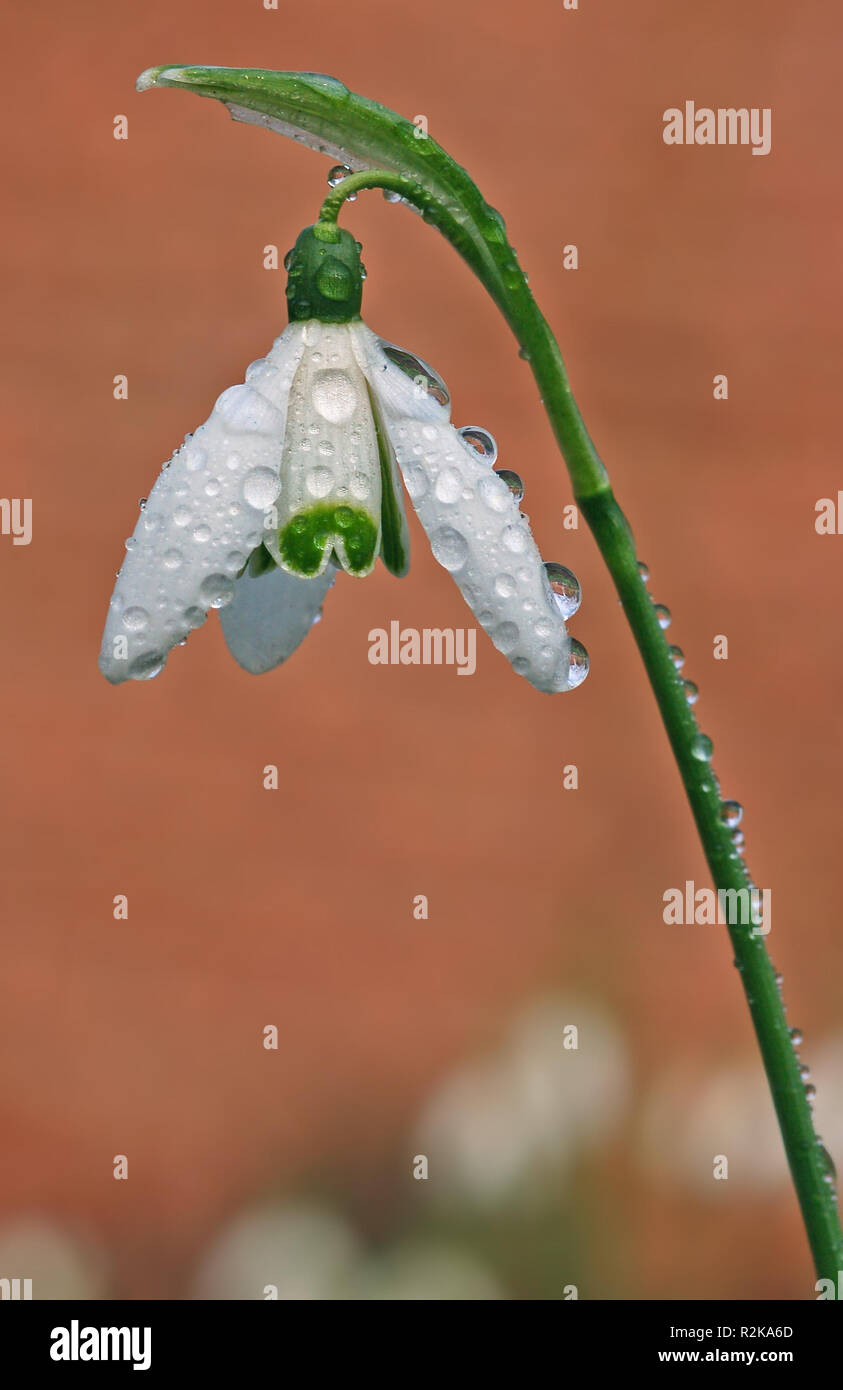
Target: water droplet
[[578, 669], [796, 1036], [448, 486], [513, 482], [449, 547], [805, 1072], [425, 377], [677, 656], [505, 637], [514, 539], [261, 487], [810, 1090], [738, 840], [481, 441], [202, 534], [391, 196], [565, 588], [319, 481], [245, 410], [333, 279], [702, 748], [216, 590], [212, 487], [172, 559], [505, 585], [147, 665], [827, 1162], [334, 395], [643, 570], [731, 813], [135, 619], [142, 501], [692, 693], [663, 615], [336, 176], [288, 260]]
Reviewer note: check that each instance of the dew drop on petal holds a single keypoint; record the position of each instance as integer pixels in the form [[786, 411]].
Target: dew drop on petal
[[448, 486], [261, 486], [505, 586], [202, 534], [319, 481], [142, 501], [145, 666], [481, 441], [514, 539], [333, 395], [565, 588], [505, 637], [171, 559], [135, 619], [513, 482], [449, 547], [216, 590], [428, 381], [182, 516], [578, 669]]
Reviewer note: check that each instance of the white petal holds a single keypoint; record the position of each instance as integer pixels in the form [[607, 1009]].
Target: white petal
[[270, 615], [330, 470], [475, 528], [204, 516]]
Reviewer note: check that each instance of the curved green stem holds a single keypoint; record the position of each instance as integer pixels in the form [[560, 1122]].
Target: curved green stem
[[368, 137]]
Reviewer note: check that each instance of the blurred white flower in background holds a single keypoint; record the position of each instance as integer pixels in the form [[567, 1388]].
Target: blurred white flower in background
[[428, 1273], [497, 1124], [303, 1251], [689, 1118], [59, 1265], [306, 1252]]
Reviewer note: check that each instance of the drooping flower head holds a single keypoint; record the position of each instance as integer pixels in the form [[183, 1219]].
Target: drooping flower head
[[298, 474]]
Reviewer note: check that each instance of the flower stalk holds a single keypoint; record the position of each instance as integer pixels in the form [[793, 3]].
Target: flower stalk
[[382, 150]]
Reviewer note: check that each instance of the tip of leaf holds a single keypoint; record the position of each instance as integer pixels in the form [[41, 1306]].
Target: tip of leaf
[[164, 76]]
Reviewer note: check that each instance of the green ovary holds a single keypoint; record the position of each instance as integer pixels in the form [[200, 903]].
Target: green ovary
[[304, 540]]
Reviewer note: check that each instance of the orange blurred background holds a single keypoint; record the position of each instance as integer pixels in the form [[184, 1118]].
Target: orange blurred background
[[144, 1037]]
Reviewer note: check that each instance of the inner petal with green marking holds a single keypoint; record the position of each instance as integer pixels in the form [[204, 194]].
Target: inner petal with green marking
[[330, 503], [309, 537]]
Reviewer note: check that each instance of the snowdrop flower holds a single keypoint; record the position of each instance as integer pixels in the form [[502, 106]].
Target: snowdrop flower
[[297, 473]]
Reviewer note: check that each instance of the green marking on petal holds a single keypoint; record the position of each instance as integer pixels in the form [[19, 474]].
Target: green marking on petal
[[304, 540], [395, 536]]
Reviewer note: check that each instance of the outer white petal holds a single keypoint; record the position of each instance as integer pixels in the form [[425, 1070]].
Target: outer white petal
[[475, 528], [270, 615], [203, 517]]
